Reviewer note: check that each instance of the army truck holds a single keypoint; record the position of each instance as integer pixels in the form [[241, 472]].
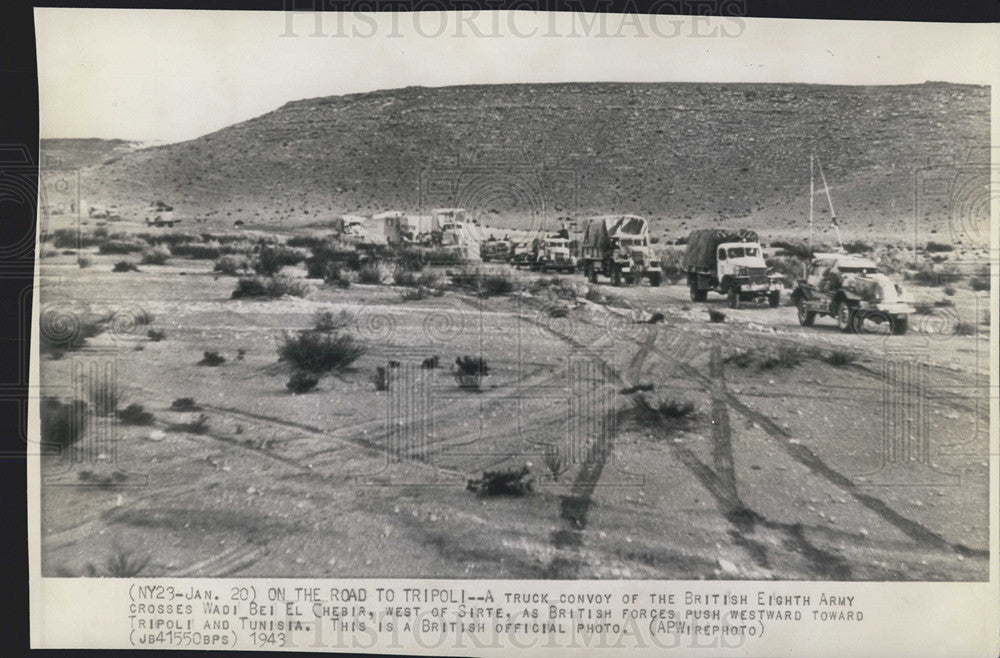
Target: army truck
[[617, 246], [552, 253], [495, 250], [851, 290], [730, 263]]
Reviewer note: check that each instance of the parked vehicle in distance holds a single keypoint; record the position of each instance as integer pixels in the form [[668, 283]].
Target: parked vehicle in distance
[[851, 290], [617, 246], [159, 214], [730, 263]]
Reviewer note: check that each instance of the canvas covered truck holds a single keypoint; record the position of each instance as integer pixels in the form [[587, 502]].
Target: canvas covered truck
[[852, 291], [730, 263], [617, 246]]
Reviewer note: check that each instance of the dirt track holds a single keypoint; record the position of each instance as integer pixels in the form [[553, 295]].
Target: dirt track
[[778, 473]]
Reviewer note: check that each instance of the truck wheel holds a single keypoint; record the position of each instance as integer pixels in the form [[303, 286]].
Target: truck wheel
[[655, 279], [616, 276], [845, 317], [697, 295], [806, 317], [774, 298], [900, 325], [733, 298]]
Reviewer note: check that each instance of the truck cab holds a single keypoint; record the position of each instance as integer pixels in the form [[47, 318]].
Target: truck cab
[[851, 290], [553, 253]]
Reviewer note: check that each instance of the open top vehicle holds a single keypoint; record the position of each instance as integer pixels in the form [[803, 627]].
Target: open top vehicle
[[851, 290]]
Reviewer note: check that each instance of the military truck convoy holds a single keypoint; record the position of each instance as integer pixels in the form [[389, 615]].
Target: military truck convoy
[[730, 263], [617, 247]]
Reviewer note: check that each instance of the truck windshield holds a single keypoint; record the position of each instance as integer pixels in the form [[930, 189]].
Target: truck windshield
[[736, 252]]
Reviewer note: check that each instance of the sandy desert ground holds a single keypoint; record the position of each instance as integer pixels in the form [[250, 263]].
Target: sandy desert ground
[[870, 466]]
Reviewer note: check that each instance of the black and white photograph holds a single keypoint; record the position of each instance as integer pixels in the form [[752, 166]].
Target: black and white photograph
[[513, 296]]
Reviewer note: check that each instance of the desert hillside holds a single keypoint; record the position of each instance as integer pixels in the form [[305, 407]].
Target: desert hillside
[[684, 155]]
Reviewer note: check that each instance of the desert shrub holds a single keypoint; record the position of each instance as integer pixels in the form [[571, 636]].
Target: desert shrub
[[979, 283], [414, 294], [594, 295], [123, 564], [125, 266], [316, 351], [798, 249], [250, 286], [788, 266], [840, 358], [327, 321], [307, 241], [741, 358], [302, 382], [664, 407], [172, 239], [410, 258], [932, 247], [404, 276], [119, 247], [923, 308], [328, 253], [68, 252], [943, 303], [84, 262], [430, 363], [67, 238], [275, 286], [199, 251], [271, 258], [469, 372], [156, 256], [135, 414], [964, 329], [184, 404], [443, 257], [672, 264], [62, 424], [486, 283], [517, 481], [949, 290], [370, 273], [716, 316], [857, 247], [156, 335], [232, 264], [212, 359], [927, 275], [783, 356]]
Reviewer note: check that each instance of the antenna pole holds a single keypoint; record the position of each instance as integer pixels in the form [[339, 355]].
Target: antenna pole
[[833, 214], [812, 198]]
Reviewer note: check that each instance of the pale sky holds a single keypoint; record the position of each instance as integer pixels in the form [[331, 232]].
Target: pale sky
[[175, 75]]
